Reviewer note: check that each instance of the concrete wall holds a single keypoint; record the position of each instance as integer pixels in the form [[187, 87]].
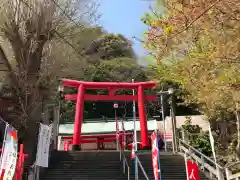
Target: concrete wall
[[88, 146], [196, 120]]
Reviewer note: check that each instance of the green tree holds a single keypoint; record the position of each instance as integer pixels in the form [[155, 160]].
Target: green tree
[[196, 137], [119, 69], [115, 63], [110, 46]]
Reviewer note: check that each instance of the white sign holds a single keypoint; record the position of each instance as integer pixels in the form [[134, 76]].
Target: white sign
[[115, 105], [9, 156], [11, 166], [44, 140]]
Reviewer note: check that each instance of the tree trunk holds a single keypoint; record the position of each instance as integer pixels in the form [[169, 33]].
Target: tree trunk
[[31, 135], [223, 129], [238, 133], [33, 108], [30, 142]]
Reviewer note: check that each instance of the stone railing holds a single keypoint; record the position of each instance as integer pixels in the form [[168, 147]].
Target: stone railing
[[207, 165], [229, 174]]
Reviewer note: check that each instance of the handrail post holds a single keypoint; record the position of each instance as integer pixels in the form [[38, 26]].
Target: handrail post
[[140, 164], [220, 173], [179, 145], [183, 134], [120, 155], [202, 163], [228, 173], [124, 164], [37, 172]]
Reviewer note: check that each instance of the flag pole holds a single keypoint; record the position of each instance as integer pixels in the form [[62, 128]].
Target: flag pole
[[164, 123], [123, 133], [116, 121], [213, 151], [185, 159], [159, 165], [135, 134]]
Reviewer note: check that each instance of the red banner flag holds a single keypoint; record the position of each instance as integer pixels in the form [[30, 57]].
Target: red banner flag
[[8, 161], [192, 170], [155, 155]]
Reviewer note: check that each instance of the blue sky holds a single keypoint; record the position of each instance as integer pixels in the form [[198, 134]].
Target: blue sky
[[123, 17]]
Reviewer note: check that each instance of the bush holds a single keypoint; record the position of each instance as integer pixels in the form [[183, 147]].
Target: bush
[[202, 143]]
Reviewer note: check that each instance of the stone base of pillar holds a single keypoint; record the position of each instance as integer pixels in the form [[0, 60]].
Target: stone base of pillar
[[76, 148]]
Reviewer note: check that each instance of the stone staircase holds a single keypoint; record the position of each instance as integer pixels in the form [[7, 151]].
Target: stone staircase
[[106, 165], [84, 166], [172, 166]]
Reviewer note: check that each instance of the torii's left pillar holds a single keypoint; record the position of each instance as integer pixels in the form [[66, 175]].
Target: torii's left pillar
[[78, 118]]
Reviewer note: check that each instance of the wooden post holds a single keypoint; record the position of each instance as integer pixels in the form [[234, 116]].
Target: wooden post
[[56, 126], [20, 163], [22, 160]]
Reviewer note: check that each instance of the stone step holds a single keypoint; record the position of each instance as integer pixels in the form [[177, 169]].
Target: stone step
[[106, 165]]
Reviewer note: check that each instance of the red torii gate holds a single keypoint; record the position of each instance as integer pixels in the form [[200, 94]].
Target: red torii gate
[[81, 96]]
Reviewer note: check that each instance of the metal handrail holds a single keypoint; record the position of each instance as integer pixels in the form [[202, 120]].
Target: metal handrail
[[233, 164], [140, 164], [201, 154], [124, 161], [229, 174], [220, 174]]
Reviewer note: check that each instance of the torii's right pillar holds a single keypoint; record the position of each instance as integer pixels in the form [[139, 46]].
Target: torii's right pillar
[[142, 117], [78, 119]]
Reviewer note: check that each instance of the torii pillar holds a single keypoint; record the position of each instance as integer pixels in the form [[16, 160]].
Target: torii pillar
[[142, 117], [78, 118]]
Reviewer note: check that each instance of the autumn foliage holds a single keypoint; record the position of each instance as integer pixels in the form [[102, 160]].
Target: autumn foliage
[[196, 44]]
